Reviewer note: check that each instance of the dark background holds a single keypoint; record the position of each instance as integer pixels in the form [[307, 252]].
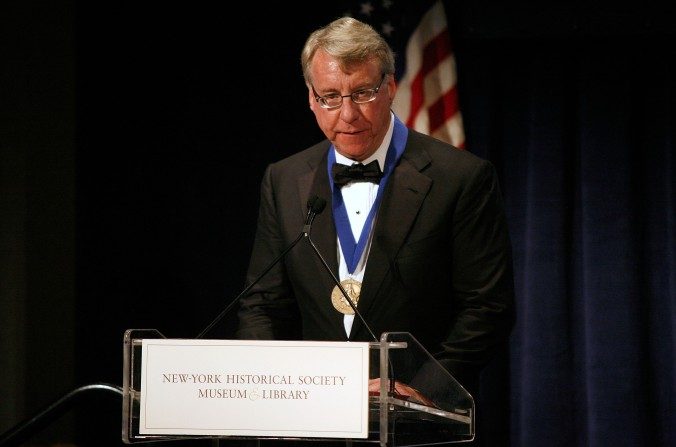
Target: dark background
[[134, 136]]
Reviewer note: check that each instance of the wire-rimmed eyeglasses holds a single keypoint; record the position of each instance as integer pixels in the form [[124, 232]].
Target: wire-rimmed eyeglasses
[[335, 100]]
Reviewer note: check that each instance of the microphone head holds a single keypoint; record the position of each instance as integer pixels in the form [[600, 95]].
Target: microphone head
[[318, 205], [311, 201]]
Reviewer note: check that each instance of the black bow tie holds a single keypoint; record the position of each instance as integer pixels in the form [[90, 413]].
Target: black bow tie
[[343, 174]]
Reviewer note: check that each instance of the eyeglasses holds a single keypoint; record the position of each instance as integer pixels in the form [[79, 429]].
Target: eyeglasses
[[334, 100]]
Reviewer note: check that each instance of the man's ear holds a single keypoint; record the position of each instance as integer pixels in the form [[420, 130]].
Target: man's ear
[[391, 87], [310, 97]]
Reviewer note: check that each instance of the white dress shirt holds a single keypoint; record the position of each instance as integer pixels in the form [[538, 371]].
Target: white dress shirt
[[358, 198]]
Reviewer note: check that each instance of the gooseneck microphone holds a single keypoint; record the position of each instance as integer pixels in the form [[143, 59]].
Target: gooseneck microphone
[[317, 205], [314, 207]]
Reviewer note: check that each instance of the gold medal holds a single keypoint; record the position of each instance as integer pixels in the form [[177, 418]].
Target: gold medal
[[353, 288]]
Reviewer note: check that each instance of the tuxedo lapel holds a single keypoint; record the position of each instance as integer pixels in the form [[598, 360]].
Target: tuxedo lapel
[[404, 195]]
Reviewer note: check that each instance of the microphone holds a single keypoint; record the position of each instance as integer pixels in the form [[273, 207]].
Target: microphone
[[315, 206]]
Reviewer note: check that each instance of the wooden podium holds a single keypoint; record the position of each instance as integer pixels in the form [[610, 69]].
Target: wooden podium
[[177, 389]]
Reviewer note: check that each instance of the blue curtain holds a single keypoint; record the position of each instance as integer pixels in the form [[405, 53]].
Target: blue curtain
[[583, 134]]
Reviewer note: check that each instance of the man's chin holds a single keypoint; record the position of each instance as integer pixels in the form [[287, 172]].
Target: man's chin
[[354, 148]]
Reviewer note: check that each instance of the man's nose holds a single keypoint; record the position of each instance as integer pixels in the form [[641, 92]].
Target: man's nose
[[349, 110]]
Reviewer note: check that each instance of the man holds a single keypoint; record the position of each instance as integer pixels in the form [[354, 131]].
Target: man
[[423, 249]]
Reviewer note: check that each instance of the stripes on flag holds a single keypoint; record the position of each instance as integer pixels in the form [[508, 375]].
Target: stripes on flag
[[427, 95]]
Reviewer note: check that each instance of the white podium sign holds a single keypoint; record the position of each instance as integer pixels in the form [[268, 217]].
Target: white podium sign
[[254, 388]]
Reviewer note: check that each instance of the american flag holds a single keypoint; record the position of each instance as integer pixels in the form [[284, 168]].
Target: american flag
[[427, 95]]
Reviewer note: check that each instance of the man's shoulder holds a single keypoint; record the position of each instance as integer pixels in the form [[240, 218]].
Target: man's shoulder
[[440, 152]]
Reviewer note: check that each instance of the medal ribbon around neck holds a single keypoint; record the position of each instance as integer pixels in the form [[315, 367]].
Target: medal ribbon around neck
[[352, 250]]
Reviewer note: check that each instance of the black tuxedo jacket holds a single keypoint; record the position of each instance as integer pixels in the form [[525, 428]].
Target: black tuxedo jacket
[[439, 266]]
